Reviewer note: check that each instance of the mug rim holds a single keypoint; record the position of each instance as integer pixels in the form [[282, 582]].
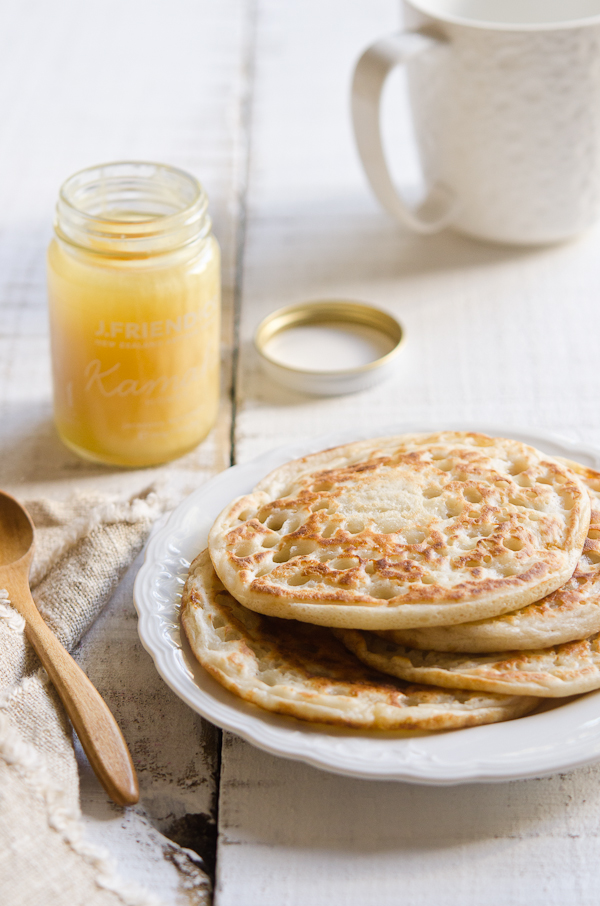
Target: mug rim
[[421, 6]]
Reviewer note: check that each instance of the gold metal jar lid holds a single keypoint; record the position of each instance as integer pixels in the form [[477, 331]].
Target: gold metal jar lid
[[329, 347]]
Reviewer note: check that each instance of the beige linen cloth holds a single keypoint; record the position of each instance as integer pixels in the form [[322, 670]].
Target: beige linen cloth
[[83, 547]]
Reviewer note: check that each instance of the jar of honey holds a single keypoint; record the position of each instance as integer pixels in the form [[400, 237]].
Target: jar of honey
[[134, 301]]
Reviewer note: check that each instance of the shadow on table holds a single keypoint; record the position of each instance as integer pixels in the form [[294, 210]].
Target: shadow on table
[[31, 453], [301, 807], [345, 240], [32, 450], [175, 752], [346, 248]]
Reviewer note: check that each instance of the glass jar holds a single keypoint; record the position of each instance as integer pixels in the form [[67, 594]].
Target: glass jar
[[134, 300]]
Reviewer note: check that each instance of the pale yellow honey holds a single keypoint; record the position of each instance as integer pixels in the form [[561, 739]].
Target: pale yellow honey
[[135, 349]]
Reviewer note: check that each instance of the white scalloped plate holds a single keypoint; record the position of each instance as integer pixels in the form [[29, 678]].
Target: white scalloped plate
[[559, 739]]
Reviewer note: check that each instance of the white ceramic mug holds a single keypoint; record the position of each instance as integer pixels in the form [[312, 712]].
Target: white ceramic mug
[[505, 97]]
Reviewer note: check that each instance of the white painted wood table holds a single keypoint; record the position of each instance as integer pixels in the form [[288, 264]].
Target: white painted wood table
[[252, 97]]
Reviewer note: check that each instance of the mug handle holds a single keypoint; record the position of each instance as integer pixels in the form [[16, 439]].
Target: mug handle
[[439, 206]]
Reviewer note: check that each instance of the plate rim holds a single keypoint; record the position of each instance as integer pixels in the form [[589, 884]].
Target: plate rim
[[155, 601]]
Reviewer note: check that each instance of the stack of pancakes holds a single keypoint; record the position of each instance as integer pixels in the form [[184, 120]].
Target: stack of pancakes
[[427, 581]]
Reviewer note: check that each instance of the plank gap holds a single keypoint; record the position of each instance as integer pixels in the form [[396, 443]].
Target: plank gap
[[246, 110]]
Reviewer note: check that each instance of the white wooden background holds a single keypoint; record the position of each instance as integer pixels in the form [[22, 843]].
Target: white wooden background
[[252, 97]]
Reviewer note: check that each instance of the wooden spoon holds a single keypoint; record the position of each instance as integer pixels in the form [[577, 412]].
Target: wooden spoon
[[97, 729]]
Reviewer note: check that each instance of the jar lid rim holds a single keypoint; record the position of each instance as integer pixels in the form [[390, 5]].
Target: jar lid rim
[[329, 313]]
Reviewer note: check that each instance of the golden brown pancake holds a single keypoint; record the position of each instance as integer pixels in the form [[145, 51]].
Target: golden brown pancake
[[303, 671], [399, 532], [569, 613], [556, 672]]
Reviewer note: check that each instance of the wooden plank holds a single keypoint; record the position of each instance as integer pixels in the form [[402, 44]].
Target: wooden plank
[[494, 336], [80, 85], [123, 81], [291, 834], [176, 754]]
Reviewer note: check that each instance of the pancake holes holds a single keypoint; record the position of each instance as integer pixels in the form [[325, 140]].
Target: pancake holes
[[510, 570], [276, 521], [545, 479], [298, 580], [593, 557], [437, 456], [567, 501], [292, 524], [466, 544], [302, 549], [244, 550], [428, 580], [486, 530], [389, 528], [519, 501], [342, 564], [430, 493], [270, 541], [354, 526], [328, 530], [513, 544], [473, 495], [453, 508], [322, 486], [525, 481], [444, 465], [517, 466], [263, 571], [282, 556], [593, 534], [245, 515], [321, 505], [471, 564], [461, 476], [487, 559], [414, 536], [383, 593], [370, 569]]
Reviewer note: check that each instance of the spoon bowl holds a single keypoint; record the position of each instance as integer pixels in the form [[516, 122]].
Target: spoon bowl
[[16, 530]]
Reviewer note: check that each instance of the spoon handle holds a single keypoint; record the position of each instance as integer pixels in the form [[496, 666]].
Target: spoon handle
[[98, 732]]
